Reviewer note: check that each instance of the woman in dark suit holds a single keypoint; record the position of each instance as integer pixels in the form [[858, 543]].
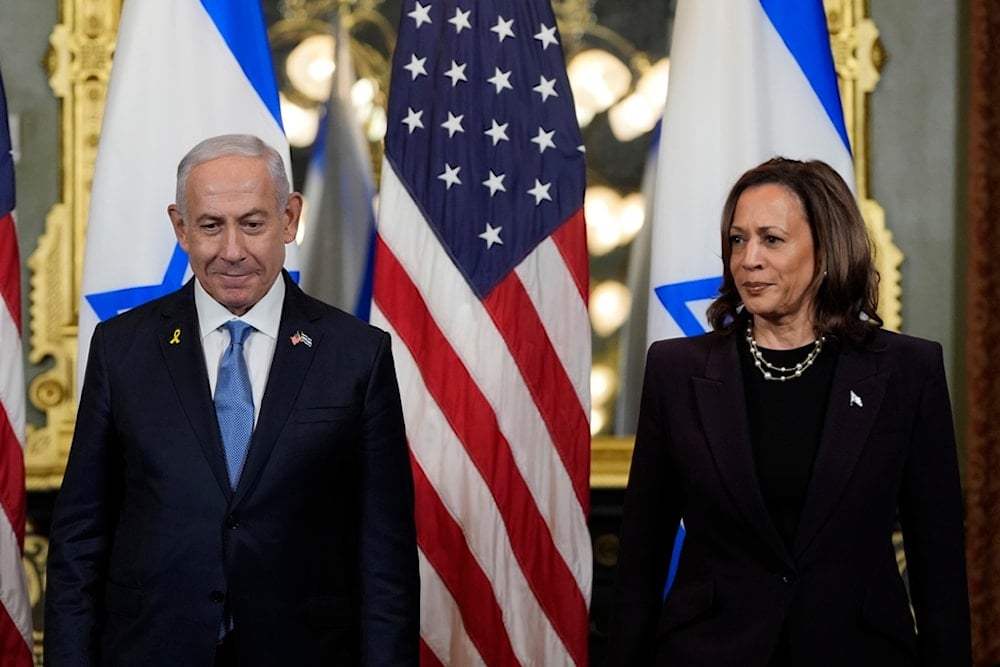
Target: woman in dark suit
[[790, 440]]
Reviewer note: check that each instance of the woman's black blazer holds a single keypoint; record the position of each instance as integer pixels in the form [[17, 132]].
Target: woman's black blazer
[[887, 450]]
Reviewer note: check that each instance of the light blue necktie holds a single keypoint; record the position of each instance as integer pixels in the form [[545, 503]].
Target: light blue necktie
[[234, 400]]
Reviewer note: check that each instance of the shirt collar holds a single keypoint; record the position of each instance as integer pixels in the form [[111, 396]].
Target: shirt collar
[[264, 316]]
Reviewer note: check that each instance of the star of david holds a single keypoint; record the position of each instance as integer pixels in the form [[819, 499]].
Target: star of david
[[111, 303], [676, 296]]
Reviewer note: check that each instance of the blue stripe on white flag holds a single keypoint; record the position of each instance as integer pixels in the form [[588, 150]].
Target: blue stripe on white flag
[[801, 26], [244, 31]]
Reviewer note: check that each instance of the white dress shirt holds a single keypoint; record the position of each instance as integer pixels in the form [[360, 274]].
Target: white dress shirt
[[264, 317]]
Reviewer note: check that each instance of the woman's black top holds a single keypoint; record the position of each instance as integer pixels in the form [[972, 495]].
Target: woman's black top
[[786, 423]]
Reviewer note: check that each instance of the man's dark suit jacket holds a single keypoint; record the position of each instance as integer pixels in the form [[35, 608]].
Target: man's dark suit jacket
[[314, 554], [887, 445]]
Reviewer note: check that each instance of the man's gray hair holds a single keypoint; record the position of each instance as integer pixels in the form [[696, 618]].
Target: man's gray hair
[[233, 145]]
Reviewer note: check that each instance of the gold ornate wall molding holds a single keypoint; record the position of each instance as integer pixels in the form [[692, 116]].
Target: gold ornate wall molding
[[858, 56], [79, 66], [36, 554]]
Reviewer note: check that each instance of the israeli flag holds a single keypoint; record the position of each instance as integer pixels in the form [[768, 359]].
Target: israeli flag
[[183, 71], [749, 80], [338, 224]]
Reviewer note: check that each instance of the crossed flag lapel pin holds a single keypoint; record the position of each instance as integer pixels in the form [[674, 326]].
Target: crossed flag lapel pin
[[300, 337]]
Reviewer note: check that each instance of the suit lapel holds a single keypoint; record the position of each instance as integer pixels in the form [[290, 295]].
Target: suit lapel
[[855, 398], [284, 382], [721, 392], [179, 339]]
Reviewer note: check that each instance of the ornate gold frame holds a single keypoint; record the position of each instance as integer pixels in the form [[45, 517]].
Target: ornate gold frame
[[79, 64]]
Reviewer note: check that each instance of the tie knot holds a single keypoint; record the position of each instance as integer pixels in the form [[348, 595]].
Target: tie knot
[[238, 331]]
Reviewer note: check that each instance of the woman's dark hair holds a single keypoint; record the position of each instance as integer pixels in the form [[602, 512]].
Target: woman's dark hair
[[845, 280]]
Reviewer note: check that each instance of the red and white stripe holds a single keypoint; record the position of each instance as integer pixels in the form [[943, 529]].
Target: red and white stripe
[[496, 396], [15, 606]]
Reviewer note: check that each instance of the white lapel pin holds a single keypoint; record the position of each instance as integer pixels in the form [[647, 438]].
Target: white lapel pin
[[855, 400]]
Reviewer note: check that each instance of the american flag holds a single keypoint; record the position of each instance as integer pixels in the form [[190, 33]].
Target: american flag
[[481, 276], [15, 607]]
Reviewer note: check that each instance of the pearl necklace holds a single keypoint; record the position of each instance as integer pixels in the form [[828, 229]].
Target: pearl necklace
[[781, 373]]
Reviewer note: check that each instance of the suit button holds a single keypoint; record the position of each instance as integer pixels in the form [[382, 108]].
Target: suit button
[[217, 596], [232, 522]]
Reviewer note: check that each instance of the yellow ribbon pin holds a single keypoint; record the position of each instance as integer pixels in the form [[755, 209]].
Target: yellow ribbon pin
[[177, 337]]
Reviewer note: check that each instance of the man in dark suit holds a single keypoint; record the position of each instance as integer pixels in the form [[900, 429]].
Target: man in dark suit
[[226, 508]]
